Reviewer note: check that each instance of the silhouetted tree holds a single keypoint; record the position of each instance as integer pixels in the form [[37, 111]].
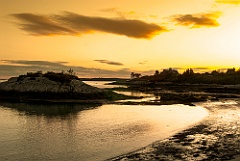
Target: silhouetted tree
[[230, 71], [70, 71], [188, 72], [214, 72], [135, 75]]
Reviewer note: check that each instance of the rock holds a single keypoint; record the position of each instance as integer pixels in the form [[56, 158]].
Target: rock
[[43, 84], [43, 88]]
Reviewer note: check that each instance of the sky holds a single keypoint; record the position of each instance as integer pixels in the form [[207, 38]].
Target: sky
[[109, 38]]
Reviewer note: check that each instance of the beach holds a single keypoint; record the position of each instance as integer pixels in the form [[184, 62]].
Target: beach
[[216, 137]]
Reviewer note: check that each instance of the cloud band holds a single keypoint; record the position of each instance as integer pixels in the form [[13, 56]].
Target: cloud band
[[109, 62], [197, 20], [74, 24]]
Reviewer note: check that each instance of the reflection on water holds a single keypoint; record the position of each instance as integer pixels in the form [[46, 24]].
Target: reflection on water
[[3, 80], [103, 84], [39, 132], [143, 96], [135, 93], [49, 110]]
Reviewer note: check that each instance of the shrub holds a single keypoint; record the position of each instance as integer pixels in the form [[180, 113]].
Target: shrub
[[60, 77], [57, 77]]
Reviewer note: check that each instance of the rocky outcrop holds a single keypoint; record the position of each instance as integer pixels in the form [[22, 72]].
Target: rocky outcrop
[[43, 84], [42, 88]]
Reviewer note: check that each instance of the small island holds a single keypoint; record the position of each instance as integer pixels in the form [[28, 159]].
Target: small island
[[53, 87]]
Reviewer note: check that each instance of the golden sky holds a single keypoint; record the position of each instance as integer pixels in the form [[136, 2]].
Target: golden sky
[[108, 38]]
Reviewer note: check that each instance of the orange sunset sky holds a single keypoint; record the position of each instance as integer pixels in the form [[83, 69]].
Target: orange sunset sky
[[109, 38]]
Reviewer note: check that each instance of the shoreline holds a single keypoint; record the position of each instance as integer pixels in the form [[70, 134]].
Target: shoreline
[[216, 137]]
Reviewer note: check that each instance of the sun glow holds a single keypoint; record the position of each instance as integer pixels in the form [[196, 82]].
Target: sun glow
[[125, 36]]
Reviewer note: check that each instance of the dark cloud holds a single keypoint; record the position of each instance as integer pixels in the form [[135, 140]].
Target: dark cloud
[[201, 68], [36, 63], [234, 2], [69, 23], [143, 62], [197, 20], [108, 62], [42, 25], [9, 68]]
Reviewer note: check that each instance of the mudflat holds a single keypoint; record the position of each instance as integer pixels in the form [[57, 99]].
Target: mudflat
[[217, 137]]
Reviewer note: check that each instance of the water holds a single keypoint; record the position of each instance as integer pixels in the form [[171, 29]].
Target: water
[[80, 132], [2, 80], [87, 132], [103, 84]]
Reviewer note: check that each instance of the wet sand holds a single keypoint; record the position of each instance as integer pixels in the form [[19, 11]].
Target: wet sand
[[217, 137]]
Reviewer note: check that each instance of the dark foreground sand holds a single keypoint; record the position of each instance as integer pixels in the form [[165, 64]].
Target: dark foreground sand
[[217, 137]]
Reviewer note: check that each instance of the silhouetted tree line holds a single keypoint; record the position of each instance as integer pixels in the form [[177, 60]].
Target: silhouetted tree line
[[231, 76]]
